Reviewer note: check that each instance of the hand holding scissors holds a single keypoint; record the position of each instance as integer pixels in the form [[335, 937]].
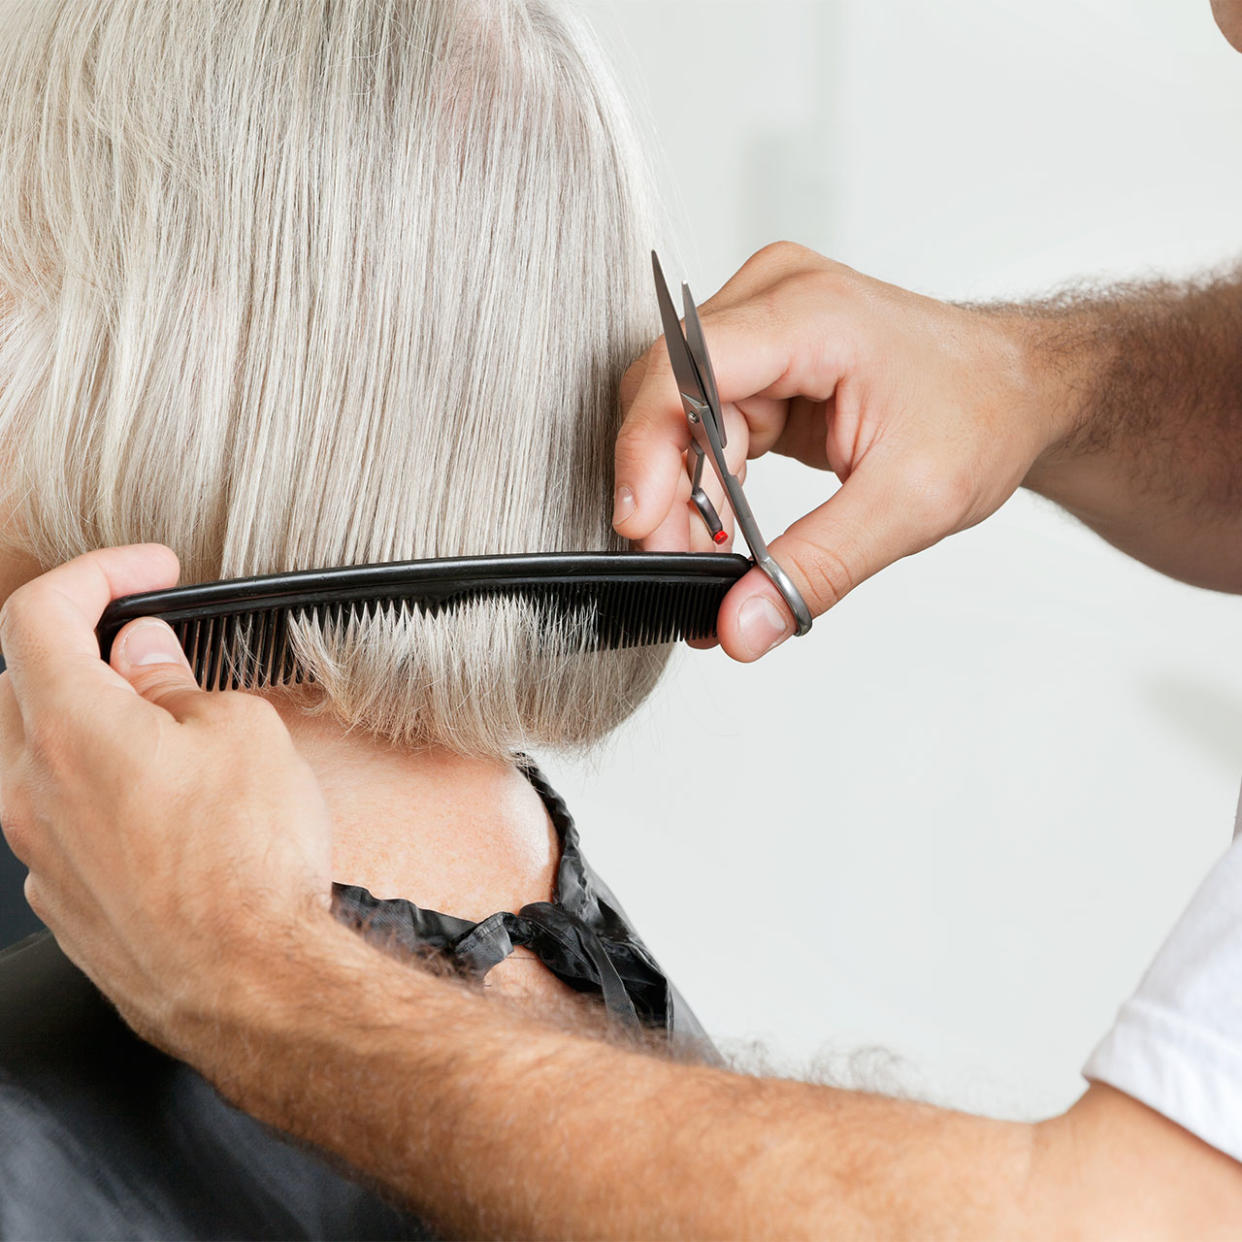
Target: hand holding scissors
[[930, 415]]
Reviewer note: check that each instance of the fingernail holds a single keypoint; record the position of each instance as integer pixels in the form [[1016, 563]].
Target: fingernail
[[763, 625], [151, 642], [622, 505]]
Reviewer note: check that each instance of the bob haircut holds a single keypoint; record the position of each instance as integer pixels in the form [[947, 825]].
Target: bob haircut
[[329, 282]]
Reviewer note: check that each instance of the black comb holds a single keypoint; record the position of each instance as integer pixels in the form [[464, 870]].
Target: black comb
[[624, 599]]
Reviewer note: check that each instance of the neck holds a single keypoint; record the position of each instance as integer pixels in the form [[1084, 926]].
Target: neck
[[464, 836]]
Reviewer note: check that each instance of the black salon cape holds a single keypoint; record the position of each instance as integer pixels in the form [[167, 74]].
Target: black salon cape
[[102, 1136]]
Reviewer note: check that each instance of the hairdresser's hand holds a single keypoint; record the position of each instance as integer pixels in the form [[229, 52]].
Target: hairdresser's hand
[[929, 414], [141, 803]]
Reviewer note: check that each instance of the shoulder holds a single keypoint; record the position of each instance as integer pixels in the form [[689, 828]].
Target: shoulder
[[67, 1066], [102, 1135], [44, 1163], [55, 1026]]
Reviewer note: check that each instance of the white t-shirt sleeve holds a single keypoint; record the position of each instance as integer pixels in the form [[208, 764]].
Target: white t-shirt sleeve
[[1177, 1043]]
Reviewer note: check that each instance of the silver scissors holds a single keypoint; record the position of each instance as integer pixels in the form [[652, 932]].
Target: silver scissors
[[696, 381]]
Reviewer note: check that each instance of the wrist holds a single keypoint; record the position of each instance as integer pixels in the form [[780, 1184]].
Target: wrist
[[250, 981], [1055, 360]]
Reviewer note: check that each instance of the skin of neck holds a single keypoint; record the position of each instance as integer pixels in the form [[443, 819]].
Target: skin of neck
[[430, 825]]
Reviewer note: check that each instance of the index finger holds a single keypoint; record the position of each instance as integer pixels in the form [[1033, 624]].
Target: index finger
[[756, 351], [47, 627]]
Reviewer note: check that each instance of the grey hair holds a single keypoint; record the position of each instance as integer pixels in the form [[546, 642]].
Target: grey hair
[[302, 283]]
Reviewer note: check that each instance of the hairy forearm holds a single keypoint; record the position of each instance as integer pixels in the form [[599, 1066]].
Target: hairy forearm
[[491, 1124], [1147, 385]]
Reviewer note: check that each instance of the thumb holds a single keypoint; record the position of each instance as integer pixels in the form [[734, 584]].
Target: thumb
[[868, 524], [147, 654]]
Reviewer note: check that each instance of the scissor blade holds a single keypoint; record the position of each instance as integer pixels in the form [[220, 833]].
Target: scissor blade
[[702, 362], [684, 370]]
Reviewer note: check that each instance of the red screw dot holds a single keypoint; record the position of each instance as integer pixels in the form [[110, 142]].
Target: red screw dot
[[720, 536]]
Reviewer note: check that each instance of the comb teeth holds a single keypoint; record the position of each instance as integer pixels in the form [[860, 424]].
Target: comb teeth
[[631, 614], [252, 650]]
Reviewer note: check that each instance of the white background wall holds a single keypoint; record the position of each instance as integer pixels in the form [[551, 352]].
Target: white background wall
[[955, 822]]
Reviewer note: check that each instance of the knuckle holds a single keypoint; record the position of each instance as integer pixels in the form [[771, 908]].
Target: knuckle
[[791, 305], [632, 463], [632, 380], [32, 890], [826, 573], [629, 443], [810, 288], [645, 431], [246, 712], [157, 681], [650, 384], [12, 795], [785, 256], [15, 612], [16, 831]]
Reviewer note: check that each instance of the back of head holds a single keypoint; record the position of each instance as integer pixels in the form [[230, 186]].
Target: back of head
[[303, 284]]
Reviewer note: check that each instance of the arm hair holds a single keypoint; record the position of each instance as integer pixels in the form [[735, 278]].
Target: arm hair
[[1149, 377]]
